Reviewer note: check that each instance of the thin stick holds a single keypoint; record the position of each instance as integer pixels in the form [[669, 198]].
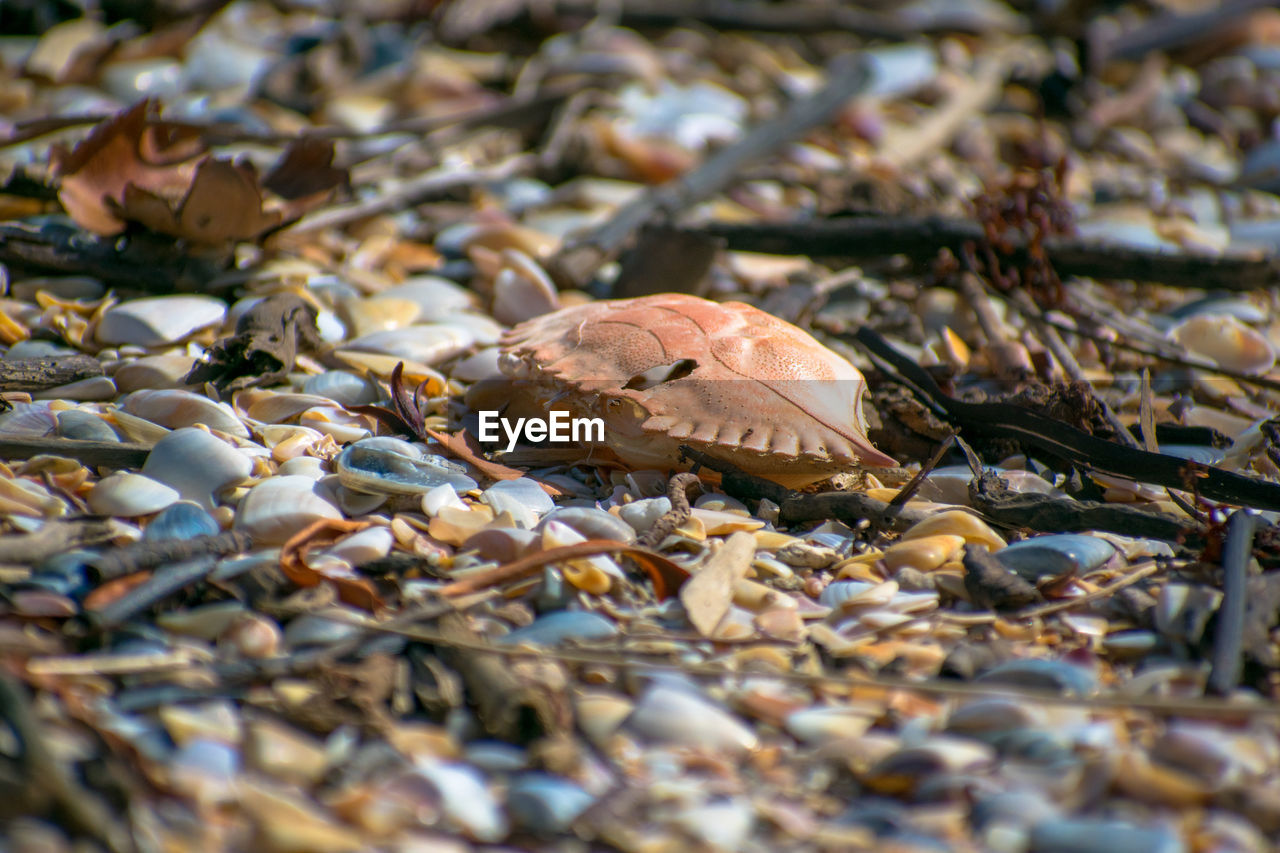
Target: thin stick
[[577, 262]]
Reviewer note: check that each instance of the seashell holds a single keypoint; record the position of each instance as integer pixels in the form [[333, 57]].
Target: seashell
[[902, 770], [286, 821], [130, 82], [439, 497], [1098, 835], [370, 469], [552, 629], [175, 408], [720, 824], [676, 715], [1041, 674], [196, 464], [1056, 554], [284, 753], [1226, 341], [342, 387], [832, 722], [27, 498], [252, 636], [465, 798], [204, 622], [1220, 305], [522, 290], [276, 509], [427, 344], [336, 423], [989, 717], [84, 426], [503, 544], [545, 804], [363, 546], [484, 331], [214, 721], [322, 628], [844, 595], [924, 553], [28, 420], [1182, 611], [523, 498], [455, 526], [475, 368], [591, 522], [134, 428], [379, 314], [130, 495], [643, 514], [68, 288], [592, 574], [95, 388], [303, 466], [42, 604], [273, 407], [205, 771], [437, 298], [958, 523], [156, 320], [599, 715]]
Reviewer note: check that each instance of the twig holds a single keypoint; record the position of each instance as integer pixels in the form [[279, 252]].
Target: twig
[[1137, 573], [37, 374], [164, 583], [1228, 639], [107, 454], [920, 238], [1168, 32], [913, 485], [577, 262], [413, 191], [970, 98], [678, 493], [145, 554]]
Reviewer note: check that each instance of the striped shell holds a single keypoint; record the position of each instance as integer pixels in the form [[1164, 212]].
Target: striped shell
[[725, 378]]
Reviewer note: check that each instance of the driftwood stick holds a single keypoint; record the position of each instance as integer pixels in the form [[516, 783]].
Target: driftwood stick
[[145, 555], [578, 261], [1168, 32], [164, 583], [109, 454], [37, 374], [1228, 641], [920, 238]]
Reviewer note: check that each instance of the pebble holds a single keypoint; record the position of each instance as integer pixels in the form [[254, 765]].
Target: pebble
[[523, 498], [196, 464], [1056, 554], [156, 320]]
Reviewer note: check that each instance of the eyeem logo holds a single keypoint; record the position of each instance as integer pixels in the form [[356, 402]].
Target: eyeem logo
[[558, 427]]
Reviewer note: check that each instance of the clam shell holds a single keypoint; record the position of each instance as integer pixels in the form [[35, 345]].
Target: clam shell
[[552, 629], [371, 469], [157, 320], [675, 715], [276, 509], [130, 495], [175, 408], [196, 464], [545, 804]]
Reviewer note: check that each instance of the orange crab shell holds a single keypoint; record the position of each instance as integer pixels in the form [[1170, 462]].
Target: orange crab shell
[[726, 378]]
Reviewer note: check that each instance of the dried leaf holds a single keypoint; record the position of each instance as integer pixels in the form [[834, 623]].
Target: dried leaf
[[223, 203], [709, 592], [463, 445], [358, 592]]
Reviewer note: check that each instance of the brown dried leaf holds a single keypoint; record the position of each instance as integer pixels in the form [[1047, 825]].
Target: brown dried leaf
[[305, 174], [709, 593], [223, 203], [131, 149], [358, 592], [462, 445]]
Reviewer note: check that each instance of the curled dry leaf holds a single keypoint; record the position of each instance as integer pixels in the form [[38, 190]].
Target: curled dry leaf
[[358, 592], [136, 167]]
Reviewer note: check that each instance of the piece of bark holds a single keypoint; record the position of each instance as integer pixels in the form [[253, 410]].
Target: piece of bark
[[666, 260], [167, 581], [263, 349], [37, 374], [105, 454], [993, 586], [136, 556], [708, 594]]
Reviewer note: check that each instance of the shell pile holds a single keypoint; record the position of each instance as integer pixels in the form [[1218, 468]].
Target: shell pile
[[291, 607]]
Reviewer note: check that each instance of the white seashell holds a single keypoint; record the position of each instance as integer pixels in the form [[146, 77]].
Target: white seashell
[[484, 330], [342, 387], [94, 388], [364, 546], [157, 320], [174, 408], [466, 798], [822, 724], [274, 408], [522, 290], [130, 495], [676, 715], [482, 365], [303, 466], [843, 595], [342, 426], [153, 371], [723, 824], [197, 464], [28, 420], [1226, 341], [440, 497], [380, 314], [643, 514], [437, 298], [426, 344], [523, 498], [276, 509]]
